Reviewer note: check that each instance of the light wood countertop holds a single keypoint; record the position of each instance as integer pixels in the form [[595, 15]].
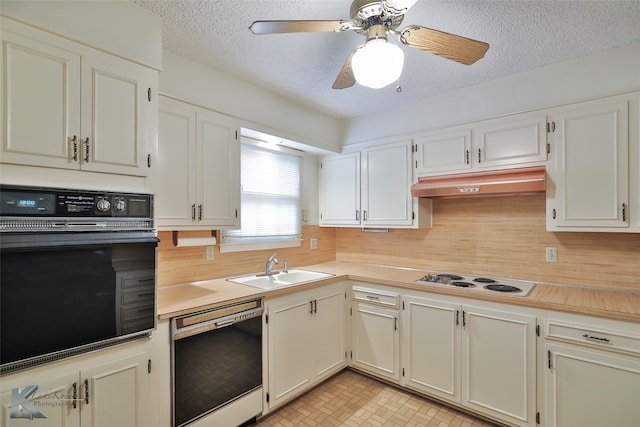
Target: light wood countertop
[[613, 304]]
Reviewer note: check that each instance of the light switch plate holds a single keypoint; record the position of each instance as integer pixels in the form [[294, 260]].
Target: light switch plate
[[551, 254], [313, 243]]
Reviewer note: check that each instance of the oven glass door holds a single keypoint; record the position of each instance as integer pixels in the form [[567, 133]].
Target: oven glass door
[[215, 367], [60, 297]]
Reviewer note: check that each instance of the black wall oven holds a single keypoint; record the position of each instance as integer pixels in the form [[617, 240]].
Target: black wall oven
[[77, 273]]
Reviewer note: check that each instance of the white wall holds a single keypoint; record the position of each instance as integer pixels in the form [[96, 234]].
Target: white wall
[[261, 110], [606, 73]]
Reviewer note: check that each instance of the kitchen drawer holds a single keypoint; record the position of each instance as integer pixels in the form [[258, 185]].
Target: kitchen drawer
[[385, 299], [593, 337]]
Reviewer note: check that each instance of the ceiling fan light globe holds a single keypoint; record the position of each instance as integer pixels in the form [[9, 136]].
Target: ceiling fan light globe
[[377, 64]]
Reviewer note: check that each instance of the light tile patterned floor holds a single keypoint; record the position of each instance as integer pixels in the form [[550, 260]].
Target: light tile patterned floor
[[354, 400]]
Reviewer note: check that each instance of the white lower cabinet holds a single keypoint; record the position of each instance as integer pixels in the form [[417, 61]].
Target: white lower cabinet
[[375, 332], [499, 364], [115, 393], [306, 340], [592, 375], [483, 359]]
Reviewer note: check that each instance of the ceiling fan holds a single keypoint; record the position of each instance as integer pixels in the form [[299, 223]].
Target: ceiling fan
[[378, 62]]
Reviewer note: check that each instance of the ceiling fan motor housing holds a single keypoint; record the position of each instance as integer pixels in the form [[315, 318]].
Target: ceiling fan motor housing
[[367, 13]]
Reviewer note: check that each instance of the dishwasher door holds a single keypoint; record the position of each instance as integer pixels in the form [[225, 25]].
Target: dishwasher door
[[215, 360]]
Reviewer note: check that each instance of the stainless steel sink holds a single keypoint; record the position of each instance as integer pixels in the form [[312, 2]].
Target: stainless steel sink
[[280, 279]]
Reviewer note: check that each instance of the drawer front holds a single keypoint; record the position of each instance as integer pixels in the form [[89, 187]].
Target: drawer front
[[593, 337], [385, 299]]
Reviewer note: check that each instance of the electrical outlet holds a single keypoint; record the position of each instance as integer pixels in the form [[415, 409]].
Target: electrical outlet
[[551, 254], [313, 243], [208, 255]]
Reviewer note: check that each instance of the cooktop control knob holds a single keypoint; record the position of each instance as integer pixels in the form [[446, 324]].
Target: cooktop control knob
[[120, 206], [103, 205]]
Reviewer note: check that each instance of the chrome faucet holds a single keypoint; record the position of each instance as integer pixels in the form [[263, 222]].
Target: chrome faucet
[[270, 262]]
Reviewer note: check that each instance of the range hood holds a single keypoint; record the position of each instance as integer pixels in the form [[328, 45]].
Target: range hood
[[502, 182]]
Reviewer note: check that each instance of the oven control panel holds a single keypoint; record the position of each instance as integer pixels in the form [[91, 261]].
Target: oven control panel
[[21, 201]]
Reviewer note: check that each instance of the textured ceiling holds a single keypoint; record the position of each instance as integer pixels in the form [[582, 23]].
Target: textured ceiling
[[522, 35]]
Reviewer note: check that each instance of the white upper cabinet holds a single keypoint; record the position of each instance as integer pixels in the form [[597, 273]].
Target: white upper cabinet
[[591, 188], [513, 140], [443, 151], [340, 190], [72, 107], [199, 154], [386, 182], [371, 188], [510, 141]]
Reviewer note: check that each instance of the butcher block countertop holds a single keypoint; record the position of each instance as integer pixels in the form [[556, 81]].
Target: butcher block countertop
[[191, 297]]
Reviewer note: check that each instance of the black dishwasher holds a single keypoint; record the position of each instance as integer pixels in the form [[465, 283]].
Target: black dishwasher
[[216, 360]]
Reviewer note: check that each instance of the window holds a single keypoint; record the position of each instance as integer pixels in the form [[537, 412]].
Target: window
[[270, 199]]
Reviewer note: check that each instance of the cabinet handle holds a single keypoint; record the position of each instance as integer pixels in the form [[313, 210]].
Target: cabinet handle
[[624, 212], [315, 306], [479, 155], [86, 150], [200, 212], [464, 319], [357, 215], [193, 212], [466, 157], [74, 395], [73, 142], [373, 298], [86, 391], [311, 307], [457, 317], [364, 215], [594, 338], [395, 323]]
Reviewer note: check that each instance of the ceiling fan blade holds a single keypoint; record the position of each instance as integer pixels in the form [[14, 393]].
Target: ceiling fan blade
[[457, 48], [277, 27], [346, 78]]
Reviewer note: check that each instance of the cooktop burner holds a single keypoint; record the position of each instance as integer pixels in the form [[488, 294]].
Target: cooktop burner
[[479, 284], [463, 284], [503, 288]]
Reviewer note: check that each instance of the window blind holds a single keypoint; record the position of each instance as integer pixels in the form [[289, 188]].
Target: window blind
[[270, 196]]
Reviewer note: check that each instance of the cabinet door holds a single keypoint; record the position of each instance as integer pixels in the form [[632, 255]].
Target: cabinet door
[[49, 400], [443, 151], [40, 102], [432, 357], [591, 389], [329, 332], [218, 170], [116, 394], [175, 189], [289, 347], [515, 140], [499, 364], [340, 190], [113, 118], [591, 167], [386, 185], [375, 341]]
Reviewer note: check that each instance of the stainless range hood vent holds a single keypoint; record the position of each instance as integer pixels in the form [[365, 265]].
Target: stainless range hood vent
[[502, 182]]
